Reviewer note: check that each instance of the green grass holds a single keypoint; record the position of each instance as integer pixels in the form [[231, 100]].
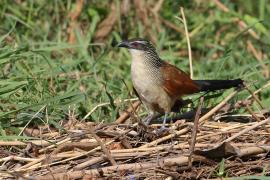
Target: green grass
[[39, 69]]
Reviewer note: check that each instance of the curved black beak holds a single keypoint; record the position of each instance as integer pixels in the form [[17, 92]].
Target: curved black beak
[[124, 44]]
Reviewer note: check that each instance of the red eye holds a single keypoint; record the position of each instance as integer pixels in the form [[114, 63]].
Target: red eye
[[135, 44]]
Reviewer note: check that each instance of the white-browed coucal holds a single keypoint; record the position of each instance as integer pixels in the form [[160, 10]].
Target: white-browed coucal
[[159, 84]]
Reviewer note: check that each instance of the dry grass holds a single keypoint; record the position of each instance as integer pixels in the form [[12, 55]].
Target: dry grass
[[90, 150], [57, 77]]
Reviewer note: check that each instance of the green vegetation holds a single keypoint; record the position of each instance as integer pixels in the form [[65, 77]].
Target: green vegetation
[[44, 75]]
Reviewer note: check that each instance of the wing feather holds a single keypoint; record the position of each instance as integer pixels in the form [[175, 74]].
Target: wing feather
[[177, 82]]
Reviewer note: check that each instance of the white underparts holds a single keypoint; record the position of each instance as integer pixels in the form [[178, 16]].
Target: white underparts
[[147, 81]]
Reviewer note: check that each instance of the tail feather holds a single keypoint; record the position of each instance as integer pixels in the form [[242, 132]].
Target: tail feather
[[212, 85]]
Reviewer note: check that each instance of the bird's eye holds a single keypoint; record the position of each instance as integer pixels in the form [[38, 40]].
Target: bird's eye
[[135, 44]]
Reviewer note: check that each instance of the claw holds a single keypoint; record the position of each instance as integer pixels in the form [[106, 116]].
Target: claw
[[162, 130], [149, 118]]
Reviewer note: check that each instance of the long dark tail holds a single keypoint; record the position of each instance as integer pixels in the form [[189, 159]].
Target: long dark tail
[[212, 85]]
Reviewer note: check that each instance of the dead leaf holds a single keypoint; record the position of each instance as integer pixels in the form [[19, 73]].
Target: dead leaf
[[105, 27], [73, 21], [221, 151]]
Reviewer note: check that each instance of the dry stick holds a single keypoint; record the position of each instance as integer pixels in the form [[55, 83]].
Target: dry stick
[[34, 116], [90, 162], [155, 12], [38, 165], [258, 56], [253, 150], [247, 130], [120, 156], [256, 117], [37, 162], [66, 154], [183, 19], [105, 104], [158, 6], [259, 90], [216, 108], [123, 167], [72, 145], [221, 6], [171, 25], [254, 96], [171, 174], [103, 147], [12, 143], [31, 164], [165, 162], [41, 142], [165, 138], [68, 159], [73, 21], [126, 114], [160, 148], [194, 132], [54, 145], [17, 158]]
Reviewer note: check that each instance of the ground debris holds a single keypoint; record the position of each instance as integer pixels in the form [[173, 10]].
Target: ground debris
[[223, 148]]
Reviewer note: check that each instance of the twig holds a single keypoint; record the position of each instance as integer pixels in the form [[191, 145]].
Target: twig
[[258, 56], [73, 21], [183, 19], [256, 117], [126, 114], [105, 104], [158, 6], [103, 147], [253, 150], [259, 90], [12, 143], [90, 162], [106, 25], [194, 132], [171, 25], [174, 175], [217, 107], [181, 160], [78, 156], [31, 164], [159, 148], [34, 116], [254, 96], [164, 162], [17, 158], [247, 130], [121, 156], [221, 6], [68, 159], [54, 145], [165, 138], [73, 145]]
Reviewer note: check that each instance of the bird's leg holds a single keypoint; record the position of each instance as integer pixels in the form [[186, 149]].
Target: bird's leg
[[164, 121], [151, 116], [162, 129]]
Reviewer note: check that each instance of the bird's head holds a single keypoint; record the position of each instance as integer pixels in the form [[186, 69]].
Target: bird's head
[[140, 49], [137, 46]]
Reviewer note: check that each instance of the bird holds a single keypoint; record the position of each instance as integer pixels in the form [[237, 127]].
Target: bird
[[160, 85]]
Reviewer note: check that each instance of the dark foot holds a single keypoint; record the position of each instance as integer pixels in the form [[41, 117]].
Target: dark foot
[[149, 118], [162, 130]]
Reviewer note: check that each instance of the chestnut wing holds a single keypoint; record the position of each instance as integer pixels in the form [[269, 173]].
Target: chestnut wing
[[177, 82]]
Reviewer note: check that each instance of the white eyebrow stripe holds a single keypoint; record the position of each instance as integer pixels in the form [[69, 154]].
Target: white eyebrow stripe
[[142, 42]]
